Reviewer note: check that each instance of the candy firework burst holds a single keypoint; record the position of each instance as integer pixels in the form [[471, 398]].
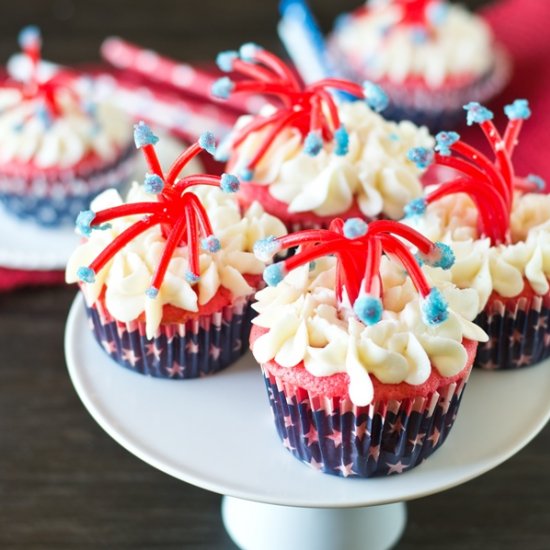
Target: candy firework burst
[[358, 249], [311, 110], [490, 184], [176, 209], [45, 89]]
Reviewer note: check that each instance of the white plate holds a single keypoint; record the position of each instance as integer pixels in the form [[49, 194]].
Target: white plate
[[217, 432], [26, 245]]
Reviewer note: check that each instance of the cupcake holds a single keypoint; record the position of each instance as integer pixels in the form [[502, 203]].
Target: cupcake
[[316, 155], [430, 56], [498, 225], [365, 354], [169, 275], [58, 149]]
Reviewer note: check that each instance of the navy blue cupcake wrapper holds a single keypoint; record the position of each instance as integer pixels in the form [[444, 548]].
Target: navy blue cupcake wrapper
[[339, 438], [202, 346], [53, 204], [519, 336]]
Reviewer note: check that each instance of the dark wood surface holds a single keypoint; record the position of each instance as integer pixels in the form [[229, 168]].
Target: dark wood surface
[[66, 484]]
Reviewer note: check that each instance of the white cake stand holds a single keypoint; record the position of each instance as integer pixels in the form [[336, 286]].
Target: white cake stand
[[217, 433]]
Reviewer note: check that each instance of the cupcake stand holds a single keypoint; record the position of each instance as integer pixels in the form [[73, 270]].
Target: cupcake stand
[[217, 433]]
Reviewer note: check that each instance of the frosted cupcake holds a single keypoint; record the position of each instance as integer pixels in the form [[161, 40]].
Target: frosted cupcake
[[498, 225], [430, 56], [169, 275], [315, 156], [365, 354], [58, 149]]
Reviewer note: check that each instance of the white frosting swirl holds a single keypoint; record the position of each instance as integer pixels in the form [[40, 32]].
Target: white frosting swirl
[[127, 277], [306, 324], [485, 268], [458, 44], [61, 141], [375, 173]]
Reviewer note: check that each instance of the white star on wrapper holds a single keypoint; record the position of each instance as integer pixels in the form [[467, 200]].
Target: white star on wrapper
[[237, 345], [397, 468], [129, 356], [347, 469], [312, 436], [175, 370], [288, 422], [374, 452], [153, 349], [418, 440], [215, 352], [192, 347], [336, 438], [287, 445], [396, 426], [109, 346], [361, 430], [434, 438], [315, 465]]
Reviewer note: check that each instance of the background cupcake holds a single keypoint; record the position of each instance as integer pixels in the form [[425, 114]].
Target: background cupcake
[[498, 225], [168, 278], [58, 149], [430, 56], [315, 155], [364, 363]]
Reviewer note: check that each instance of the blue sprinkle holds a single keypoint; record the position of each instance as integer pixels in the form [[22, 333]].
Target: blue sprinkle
[[265, 249], [375, 96], [444, 141], [273, 274], [538, 181], [223, 87], [393, 137], [246, 174], [313, 144], [416, 207], [191, 278], [152, 292], [43, 114], [29, 36], [153, 184], [369, 309], [518, 110], [434, 308], [208, 142], [86, 274], [354, 228], [342, 21], [229, 183], [143, 135], [442, 256], [421, 156], [437, 12], [84, 222], [18, 127], [225, 60], [418, 34], [341, 140], [211, 244], [248, 51], [477, 113], [312, 265]]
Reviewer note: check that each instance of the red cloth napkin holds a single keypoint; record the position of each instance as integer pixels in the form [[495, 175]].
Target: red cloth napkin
[[521, 25]]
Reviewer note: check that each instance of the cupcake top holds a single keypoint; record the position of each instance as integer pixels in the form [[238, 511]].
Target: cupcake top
[[318, 153], [359, 312], [53, 122], [498, 224], [435, 42], [179, 247]]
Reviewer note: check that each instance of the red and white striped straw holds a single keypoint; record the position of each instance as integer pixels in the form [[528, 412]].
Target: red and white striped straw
[[182, 76]]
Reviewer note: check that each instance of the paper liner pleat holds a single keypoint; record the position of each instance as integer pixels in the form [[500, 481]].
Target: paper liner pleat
[[201, 346], [339, 438], [519, 334]]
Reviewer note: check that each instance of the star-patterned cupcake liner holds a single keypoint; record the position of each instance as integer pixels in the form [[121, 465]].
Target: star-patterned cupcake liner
[[519, 333], [201, 346], [339, 438], [55, 199]]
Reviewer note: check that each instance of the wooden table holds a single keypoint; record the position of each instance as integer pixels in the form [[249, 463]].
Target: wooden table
[[63, 482]]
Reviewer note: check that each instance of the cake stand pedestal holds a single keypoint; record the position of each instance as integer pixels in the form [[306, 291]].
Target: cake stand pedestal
[[217, 433]]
